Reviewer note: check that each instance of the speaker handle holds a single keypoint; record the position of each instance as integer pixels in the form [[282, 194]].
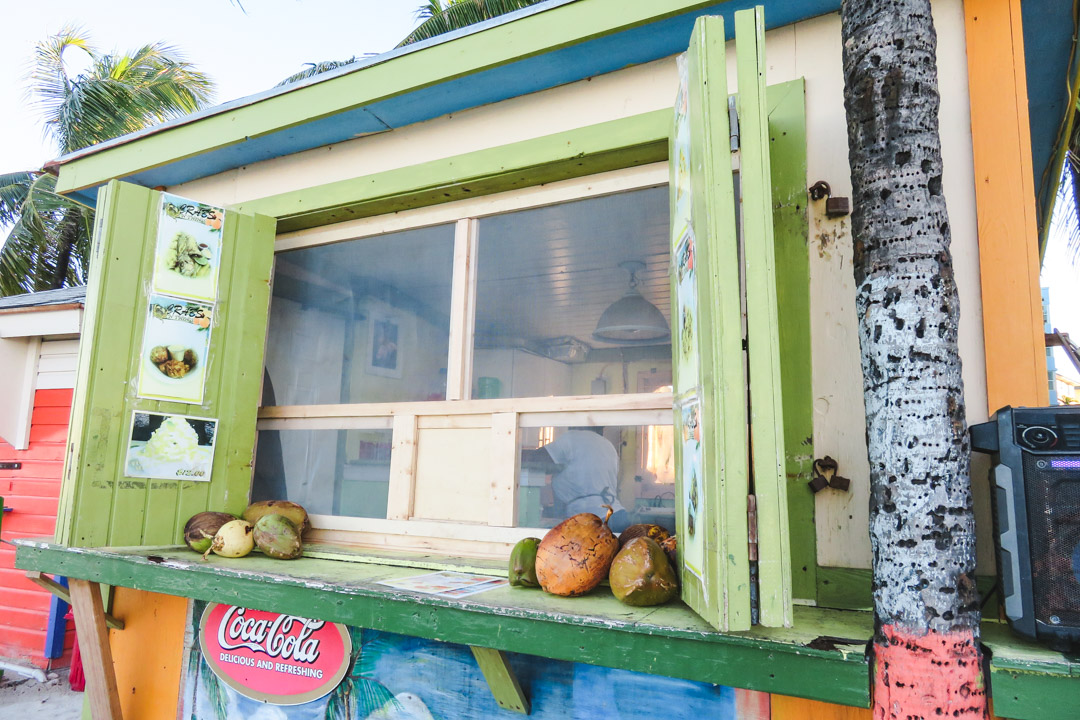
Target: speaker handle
[[1010, 582]]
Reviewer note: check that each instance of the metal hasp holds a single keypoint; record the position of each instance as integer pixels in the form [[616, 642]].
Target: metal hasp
[[834, 206]]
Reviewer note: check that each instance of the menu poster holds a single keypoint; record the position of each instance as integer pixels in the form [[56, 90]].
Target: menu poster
[[170, 447], [187, 258], [686, 311], [688, 432], [447, 583], [175, 348]]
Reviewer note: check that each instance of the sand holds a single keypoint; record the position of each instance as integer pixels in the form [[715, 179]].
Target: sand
[[23, 698]]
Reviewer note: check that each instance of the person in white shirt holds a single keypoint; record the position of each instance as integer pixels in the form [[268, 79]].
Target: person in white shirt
[[586, 476]]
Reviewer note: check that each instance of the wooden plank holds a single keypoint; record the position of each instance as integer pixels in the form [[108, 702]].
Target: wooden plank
[[1005, 206], [597, 629], [402, 493], [462, 312], [571, 403], [502, 680], [607, 183], [612, 145], [752, 705], [453, 475], [94, 647], [724, 596], [64, 595], [787, 137], [505, 466], [763, 333]]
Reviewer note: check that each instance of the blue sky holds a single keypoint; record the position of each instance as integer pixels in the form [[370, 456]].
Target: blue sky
[[245, 52]]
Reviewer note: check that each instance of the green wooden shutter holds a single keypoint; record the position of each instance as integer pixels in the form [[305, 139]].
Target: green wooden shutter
[[727, 400], [709, 384], [99, 505], [769, 483]]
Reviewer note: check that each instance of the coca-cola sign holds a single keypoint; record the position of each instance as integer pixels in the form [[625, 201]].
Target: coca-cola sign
[[278, 659]]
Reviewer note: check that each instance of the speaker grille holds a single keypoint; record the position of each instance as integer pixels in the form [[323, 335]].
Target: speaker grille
[[1053, 502]]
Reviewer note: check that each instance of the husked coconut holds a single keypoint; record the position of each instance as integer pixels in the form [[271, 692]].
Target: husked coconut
[[574, 556]]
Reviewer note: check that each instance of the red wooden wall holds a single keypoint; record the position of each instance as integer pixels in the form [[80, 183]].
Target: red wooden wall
[[33, 492]]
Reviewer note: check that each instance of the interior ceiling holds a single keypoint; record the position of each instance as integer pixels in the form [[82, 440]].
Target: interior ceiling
[[542, 273]]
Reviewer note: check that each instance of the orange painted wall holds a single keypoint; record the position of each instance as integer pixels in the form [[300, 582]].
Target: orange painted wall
[[1005, 204], [148, 653], [33, 492]]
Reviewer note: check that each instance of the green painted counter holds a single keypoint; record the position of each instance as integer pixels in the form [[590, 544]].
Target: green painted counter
[[1028, 681], [596, 629]]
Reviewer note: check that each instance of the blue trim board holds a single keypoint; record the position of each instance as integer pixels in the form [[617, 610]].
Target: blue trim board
[[559, 66], [54, 637], [1048, 31]]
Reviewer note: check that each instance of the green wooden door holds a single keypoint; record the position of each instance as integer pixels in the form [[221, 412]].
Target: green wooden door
[[726, 351], [101, 502]]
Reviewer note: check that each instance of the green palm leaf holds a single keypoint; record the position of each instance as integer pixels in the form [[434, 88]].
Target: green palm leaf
[[314, 69], [48, 244], [440, 17]]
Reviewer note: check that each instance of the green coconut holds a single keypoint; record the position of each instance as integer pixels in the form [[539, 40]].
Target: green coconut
[[523, 563], [201, 528], [295, 513], [641, 574], [278, 537]]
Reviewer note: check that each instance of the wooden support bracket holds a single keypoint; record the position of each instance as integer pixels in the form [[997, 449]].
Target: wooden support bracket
[[501, 679], [96, 652], [61, 592]]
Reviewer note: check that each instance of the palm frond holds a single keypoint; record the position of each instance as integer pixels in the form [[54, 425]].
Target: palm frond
[[442, 18], [13, 190], [313, 69]]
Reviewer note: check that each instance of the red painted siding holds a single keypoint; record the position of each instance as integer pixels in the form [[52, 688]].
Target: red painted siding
[[33, 492]]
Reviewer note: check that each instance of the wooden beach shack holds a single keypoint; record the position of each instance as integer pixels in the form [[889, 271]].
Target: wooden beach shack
[[370, 291]]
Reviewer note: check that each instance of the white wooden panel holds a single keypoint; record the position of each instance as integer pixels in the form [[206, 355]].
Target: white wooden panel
[[18, 368], [56, 365], [41, 323], [505, 465], [401, 494], [453, 475], [60, 347]]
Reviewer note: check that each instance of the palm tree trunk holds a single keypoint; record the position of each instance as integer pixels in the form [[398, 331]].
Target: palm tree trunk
[[927, 659], [69, 236]]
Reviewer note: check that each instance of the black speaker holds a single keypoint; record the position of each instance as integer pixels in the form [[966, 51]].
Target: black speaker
[[1036, 482]]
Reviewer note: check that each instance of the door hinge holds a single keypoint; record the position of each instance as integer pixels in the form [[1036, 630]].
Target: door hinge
[[733, 123], [751, 525]]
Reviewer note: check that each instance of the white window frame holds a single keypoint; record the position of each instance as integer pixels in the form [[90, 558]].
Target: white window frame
[[504, 416]]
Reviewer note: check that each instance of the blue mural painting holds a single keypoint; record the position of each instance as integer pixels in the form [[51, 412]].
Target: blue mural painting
[[397, 677]]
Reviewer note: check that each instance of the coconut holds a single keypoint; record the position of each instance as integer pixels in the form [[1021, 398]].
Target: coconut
[[641, 574], [523, 563], [656, 532], [233, 539], [201, 528], [277, 537], [295, 513], [575, 555]]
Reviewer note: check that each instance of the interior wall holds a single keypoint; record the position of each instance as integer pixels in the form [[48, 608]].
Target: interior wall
[[810, 50]]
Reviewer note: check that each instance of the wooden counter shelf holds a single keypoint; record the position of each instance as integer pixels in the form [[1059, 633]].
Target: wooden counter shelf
[[596, 629], [822, 657]]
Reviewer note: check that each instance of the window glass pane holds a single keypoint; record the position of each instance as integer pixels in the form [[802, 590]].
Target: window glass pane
[[547, 277], [329, 472], [630, 467], [362, 321]]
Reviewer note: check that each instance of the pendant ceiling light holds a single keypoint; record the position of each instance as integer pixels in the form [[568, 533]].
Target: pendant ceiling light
[[632, 320]]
